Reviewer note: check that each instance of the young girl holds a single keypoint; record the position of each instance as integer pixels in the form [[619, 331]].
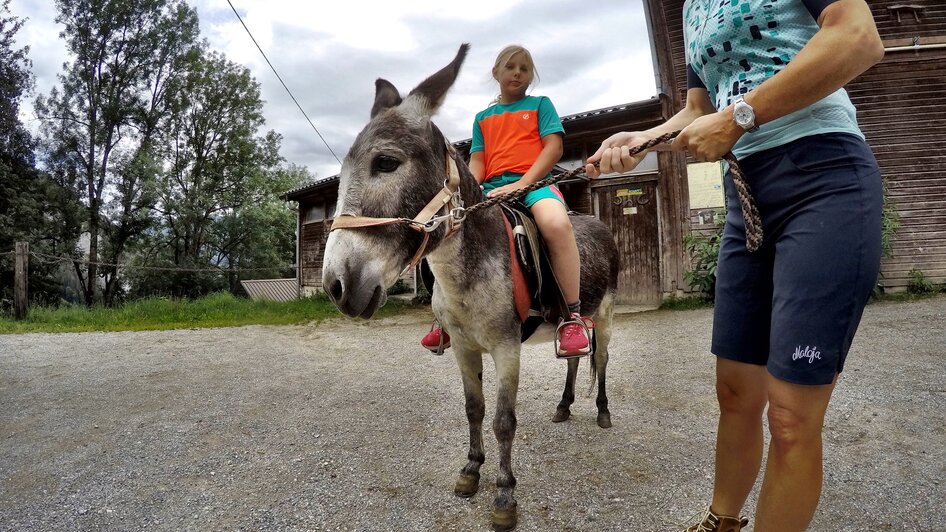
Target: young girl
[[516, 142]]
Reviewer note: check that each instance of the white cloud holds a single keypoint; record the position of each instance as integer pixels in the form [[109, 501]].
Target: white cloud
[[589, 56]]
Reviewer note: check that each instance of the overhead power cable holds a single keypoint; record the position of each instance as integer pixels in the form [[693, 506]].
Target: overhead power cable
[[283, 82]]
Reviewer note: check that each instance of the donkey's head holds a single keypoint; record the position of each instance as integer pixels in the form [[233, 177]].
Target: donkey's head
[[396, 165]]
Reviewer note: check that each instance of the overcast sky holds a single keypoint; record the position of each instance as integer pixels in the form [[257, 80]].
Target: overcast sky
[[589, 55]]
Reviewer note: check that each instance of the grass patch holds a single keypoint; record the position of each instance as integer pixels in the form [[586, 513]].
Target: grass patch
[[685, 303], [215, 310], [905, 296]]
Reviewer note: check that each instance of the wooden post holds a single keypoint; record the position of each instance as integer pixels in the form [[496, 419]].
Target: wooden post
[[20, 275]]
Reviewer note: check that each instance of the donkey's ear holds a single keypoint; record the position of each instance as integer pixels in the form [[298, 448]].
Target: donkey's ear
[[433, 89], [385, 96]]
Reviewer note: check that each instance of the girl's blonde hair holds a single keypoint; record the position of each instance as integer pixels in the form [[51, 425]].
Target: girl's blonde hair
[[506, 54]]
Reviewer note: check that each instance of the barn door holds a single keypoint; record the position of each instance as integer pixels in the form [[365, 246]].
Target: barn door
[[629, 208]]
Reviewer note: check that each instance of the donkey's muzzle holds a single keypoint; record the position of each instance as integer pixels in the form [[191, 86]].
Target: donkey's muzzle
[[356, 292]]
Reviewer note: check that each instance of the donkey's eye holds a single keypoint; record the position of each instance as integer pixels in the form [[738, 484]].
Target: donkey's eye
[[386, 163]]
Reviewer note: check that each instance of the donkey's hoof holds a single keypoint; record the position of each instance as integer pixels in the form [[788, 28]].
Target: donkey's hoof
[[505, 518], [467, 485], [604, 419], [561, 414]]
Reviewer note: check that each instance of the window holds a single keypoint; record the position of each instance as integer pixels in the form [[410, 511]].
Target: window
[[314, 213]]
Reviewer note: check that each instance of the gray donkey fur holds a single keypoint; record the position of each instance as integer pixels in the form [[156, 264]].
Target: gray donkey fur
[[395, 166]]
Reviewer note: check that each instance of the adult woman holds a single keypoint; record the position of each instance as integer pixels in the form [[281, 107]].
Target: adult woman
[[764, 80]]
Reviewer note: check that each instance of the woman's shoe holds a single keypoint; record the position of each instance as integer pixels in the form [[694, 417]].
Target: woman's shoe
[[711, 522]]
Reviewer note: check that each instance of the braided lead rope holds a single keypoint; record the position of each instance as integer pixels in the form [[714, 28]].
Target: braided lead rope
[[749, 210]]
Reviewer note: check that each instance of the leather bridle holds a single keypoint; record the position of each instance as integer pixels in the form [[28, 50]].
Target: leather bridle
[[426, 221]]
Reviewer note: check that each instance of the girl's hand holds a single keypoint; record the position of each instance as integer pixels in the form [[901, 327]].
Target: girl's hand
[[709, 137], [505, 189], [614, 153]]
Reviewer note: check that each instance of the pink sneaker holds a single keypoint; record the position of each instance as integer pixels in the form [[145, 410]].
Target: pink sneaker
[[433, 338], [573, 336]]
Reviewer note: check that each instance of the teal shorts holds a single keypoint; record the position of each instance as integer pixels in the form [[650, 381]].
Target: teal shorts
[[531, 198]]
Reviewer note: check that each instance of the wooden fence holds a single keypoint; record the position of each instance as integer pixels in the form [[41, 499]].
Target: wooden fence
[[20, 275]]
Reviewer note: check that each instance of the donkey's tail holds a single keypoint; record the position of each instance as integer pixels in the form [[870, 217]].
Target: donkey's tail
[[594, 367]]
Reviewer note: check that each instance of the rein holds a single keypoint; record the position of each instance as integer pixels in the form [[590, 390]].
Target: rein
[[449, 198]]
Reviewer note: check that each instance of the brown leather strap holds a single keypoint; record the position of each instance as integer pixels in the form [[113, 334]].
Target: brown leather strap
[[349, 221], [436, 205], [446, 194], [418, 255]]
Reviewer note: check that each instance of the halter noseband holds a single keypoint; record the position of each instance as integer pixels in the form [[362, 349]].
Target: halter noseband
[[426, 220]]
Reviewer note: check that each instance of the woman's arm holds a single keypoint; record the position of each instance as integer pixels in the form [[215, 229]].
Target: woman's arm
[[613, 152], [846, 45]]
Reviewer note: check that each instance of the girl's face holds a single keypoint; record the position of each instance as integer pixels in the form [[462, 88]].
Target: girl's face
[[514, 78]]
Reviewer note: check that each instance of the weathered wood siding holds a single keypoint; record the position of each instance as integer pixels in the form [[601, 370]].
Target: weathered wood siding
[[629, 207], [901, 106], [311, 249]]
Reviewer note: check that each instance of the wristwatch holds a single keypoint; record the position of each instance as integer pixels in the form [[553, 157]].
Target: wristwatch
[[744, 115]]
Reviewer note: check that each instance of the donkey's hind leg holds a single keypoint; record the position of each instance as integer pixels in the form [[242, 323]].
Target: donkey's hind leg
[[471, 369], [563, 411], [603, 337]]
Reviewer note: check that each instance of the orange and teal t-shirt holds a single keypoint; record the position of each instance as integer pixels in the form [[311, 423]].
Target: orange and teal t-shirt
[[510, 135]]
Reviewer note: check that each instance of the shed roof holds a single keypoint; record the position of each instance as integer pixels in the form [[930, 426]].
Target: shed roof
[[271, 289]]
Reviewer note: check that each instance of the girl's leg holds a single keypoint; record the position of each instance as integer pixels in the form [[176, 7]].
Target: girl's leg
[[552, 220], [741, 393], [791, 486]]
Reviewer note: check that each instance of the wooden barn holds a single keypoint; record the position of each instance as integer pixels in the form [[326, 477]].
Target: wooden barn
[[901, 108]]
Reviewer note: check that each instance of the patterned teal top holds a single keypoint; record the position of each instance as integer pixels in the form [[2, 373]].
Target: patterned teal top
[[732, 46]]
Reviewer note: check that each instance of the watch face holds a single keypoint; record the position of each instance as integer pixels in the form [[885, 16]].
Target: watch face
[[742, 115]]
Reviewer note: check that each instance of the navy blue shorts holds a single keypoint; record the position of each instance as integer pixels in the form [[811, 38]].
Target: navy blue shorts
[[794, 305]]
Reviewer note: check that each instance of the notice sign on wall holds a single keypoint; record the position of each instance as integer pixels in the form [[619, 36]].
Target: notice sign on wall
[[706, 185]]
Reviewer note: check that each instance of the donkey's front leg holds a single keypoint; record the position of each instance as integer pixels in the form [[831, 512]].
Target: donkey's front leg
[[471, 369], [504, 426]]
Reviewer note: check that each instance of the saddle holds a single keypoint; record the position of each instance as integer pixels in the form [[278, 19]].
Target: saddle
[[536, 290]]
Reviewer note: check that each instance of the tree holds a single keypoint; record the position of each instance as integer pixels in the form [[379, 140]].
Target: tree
[[218, 200], [258, 240], [100, 124], [32, 207]]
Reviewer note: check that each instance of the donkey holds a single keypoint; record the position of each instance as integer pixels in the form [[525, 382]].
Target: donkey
[[397, 163]]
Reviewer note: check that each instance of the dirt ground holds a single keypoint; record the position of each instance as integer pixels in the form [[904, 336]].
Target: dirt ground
[[349, 425]]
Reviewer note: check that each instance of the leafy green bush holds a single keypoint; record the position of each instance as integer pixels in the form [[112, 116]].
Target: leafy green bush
[[890, 223], [919, 284], [704, 252]]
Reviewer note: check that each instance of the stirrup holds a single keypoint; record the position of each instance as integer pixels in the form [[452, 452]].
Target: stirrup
[[440, 348], [587, 324]]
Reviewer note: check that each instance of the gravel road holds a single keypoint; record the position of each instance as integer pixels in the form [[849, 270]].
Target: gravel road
[[349, 425]]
